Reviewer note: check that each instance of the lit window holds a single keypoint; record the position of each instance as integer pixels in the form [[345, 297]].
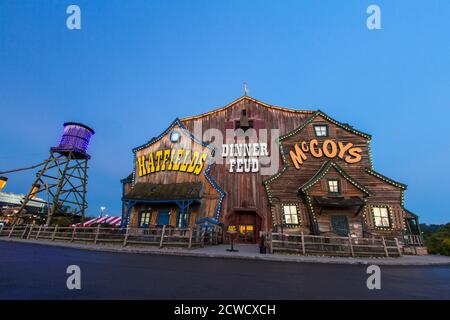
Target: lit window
[[144, 219], [321, 130], [290, 214], [333, 186], [381, 217], [183, 220]]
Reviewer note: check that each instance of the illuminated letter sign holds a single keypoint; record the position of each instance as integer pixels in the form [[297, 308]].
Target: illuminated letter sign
[[244, 157], [329, 149], [181, 160]]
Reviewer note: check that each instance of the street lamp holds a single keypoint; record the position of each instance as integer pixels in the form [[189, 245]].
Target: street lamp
[[102, 209], [3, 181]]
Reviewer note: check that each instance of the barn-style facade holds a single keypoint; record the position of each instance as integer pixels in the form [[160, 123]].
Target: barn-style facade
[[263, 169]]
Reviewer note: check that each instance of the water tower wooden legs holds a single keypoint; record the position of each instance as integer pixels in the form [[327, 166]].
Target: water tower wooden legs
[[64, 178]]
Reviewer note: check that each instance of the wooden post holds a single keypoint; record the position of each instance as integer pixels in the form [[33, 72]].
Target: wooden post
[[29, 232], [202, 238], [190, 238], [54, 232], [269, 241], [126, 238], [96, 234], [303, 244], [197, 236], [398, 247], [73, 234], [351, 246], [162, 236], [11, 231], [24, 232], [384, 246], [39, 232]]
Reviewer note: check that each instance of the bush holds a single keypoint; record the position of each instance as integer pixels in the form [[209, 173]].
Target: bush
[[439, 242]]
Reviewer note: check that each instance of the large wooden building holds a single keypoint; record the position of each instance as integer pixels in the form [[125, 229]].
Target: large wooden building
[[263, 168]]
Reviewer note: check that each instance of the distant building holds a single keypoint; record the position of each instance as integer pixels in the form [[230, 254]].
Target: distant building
[[10, 204]]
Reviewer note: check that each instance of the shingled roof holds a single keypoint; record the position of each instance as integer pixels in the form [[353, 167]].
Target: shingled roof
[[165, 192]]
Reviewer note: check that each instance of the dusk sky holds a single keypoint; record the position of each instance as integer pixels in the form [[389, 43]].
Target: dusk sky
[[137, 65]]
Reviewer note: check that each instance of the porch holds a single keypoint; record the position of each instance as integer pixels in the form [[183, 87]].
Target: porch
[[162, 204]]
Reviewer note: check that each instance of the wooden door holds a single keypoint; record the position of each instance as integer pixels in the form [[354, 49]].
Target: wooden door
[[339, 225], [248, 225]]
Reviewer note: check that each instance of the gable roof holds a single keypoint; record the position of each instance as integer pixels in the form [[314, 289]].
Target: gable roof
[[324, 170], [328, 118], [129, 178], [415, 216], [231, 104], [210, 179], [386, 179], [175, 123]]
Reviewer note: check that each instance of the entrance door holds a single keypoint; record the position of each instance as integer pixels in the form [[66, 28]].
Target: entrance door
[[248, 225], [339, 225], [163, 217]]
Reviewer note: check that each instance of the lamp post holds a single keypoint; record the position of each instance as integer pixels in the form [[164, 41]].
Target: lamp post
[[102, 210], [3, 181]]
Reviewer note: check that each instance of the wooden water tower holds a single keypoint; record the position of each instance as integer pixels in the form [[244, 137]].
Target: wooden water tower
[[64, 174]]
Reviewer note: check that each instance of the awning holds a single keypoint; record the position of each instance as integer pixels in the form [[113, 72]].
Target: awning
[[113, 221], [165, 192], [338, 202]]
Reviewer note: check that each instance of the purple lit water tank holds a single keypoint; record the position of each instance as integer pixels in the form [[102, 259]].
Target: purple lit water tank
[[75, 139]]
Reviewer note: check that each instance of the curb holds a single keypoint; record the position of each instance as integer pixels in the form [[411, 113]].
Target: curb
[[419, 260]]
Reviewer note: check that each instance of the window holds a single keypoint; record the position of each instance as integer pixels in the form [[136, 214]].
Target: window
[[290, 214], [381, 217], [334, 186], [321, 130], [144, 219], [183, 220]]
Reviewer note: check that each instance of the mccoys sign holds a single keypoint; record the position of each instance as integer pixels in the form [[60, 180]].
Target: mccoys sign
[[329, 149]]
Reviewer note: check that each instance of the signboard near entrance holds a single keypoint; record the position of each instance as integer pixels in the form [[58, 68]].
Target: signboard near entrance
[[244, 157]]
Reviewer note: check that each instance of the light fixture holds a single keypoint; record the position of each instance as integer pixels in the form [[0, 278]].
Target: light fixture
[[3, 181], [175, 136]]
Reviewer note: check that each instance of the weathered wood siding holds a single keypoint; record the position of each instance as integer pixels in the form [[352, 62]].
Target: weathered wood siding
[[210, 200], [284, 189], [245, 190]]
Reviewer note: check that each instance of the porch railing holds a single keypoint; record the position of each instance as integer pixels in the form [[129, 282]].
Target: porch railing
[[165, 236], [414, 240], [334, 246]]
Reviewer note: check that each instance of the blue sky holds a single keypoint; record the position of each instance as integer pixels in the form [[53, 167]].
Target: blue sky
[[136, 65]]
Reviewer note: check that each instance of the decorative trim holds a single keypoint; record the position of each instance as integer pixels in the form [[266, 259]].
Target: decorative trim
[[283, 219], [250, 99], [325, 116], [386, 179], [324, 170], [391, 220], [369, 148], [314, 226]]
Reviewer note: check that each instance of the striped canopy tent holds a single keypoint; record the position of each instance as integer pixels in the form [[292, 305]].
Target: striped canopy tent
[[113, 221]]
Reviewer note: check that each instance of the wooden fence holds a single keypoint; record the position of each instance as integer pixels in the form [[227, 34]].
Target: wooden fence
[[165, 236], [334, 246]]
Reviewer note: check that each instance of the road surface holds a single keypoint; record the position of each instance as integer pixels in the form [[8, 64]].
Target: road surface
[[29, 271]]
